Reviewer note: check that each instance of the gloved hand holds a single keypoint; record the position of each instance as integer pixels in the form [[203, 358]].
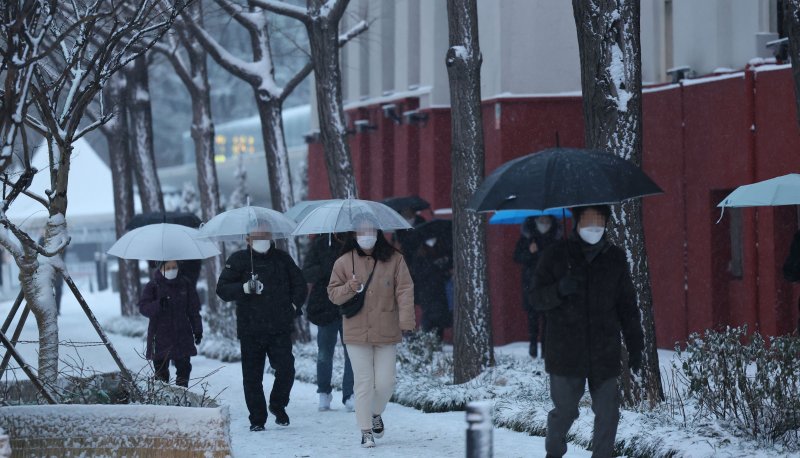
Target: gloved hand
[[635, 361], [568, 285], [164, 302], [198, 338], [253, 287]]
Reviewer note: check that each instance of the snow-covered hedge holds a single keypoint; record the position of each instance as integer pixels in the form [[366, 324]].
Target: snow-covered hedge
[[118, 430], [129, 326]]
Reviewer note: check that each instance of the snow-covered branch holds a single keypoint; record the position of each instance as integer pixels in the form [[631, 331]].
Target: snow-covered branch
[[355, 31], [27, 241], [284, 9], [228, 61]]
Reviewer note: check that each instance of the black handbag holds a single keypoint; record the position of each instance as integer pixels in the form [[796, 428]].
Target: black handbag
[[350, 308]]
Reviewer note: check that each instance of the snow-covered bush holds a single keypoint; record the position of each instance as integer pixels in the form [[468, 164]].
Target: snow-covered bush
[[746, 381]]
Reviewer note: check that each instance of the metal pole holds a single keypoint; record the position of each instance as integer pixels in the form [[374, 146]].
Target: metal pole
[[479, 429], [13, 312], [14, 339], [27, 369]]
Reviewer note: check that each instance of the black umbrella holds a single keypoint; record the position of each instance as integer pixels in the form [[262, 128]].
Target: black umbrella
[[561, 177], [182, 218], [415, 203], [441, 229]]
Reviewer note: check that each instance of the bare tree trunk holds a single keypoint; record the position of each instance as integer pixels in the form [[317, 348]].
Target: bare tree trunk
[[611, 80], [116, 133], [791, 20], [323, 39], [142, 136], [472, 333]]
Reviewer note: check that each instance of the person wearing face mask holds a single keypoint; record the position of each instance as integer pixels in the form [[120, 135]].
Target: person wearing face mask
[[538, 233], [372, 334], [171, 303], [583, 285], [429, 287], [269, 290]]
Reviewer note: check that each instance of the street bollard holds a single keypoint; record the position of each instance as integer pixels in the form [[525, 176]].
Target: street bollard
[[479, 429]]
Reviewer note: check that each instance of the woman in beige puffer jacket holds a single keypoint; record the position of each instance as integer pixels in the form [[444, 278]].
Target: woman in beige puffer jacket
[[372, 334]]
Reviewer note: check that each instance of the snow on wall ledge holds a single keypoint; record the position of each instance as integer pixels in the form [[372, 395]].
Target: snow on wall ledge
[[117, 430]]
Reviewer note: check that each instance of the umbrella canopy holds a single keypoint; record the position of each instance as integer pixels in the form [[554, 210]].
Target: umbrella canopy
[[783, 190], [183, 218], [341, 216], [561, 177], [304, 207], [236, 224], [163, 242], [519, 216], [415, 203]]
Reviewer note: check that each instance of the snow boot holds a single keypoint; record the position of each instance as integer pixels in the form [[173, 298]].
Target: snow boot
[[325, 401], [367, 441], [377, 426], [256, 428], [281, 418]]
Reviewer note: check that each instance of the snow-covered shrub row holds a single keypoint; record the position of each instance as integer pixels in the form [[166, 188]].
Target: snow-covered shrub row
[[128, 326], [747, 382], [221, 348]]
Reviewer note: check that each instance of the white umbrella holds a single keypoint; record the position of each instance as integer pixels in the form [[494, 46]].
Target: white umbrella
[[783, 190], [236, 224], [341, 216], [163, 242]]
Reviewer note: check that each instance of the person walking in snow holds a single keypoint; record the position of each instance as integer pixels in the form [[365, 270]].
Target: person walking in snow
[[171, 303], [584, 286], [269, 291], [538, 233], [370, 266], [317, 268]]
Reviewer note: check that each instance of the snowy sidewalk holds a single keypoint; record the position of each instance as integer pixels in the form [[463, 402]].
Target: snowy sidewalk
[[409, 432]]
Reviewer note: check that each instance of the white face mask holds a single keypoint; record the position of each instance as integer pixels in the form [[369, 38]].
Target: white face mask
[[543, 227], [171, 274], [591, 234], [366, 242], [431, 242], [262, 246]]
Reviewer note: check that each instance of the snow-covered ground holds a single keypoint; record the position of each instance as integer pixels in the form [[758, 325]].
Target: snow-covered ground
[[409, 432]]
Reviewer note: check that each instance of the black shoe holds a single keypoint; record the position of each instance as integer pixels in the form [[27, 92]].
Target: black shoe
[[256, 428], [281, 418]]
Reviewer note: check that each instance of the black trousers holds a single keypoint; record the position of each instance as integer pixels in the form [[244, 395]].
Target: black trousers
[[182, 370], [534, 318], [255, 351]]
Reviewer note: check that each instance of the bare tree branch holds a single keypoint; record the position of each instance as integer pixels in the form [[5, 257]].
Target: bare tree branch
[[284, 9]]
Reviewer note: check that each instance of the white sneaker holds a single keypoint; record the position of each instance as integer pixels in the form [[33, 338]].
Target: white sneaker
[[367, 441], [350, 404], [325, 401]]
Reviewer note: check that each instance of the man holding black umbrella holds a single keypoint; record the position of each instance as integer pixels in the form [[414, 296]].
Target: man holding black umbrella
[[584, 286], [269, 290]]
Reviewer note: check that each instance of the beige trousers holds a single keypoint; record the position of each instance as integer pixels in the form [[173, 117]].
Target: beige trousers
[[374, 379]]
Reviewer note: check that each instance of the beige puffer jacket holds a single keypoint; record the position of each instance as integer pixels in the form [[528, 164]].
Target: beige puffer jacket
[[389, 303]]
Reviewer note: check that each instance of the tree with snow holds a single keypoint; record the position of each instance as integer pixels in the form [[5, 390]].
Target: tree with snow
[[611, 80], [472, 326], [61, 88], [238, 197], [321, 19]]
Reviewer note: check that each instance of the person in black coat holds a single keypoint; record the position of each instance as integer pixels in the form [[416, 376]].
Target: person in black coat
[[269, 291], [584, 286], [791, 268], [430, 279], [538, 232], [170, 302], [317, 267]]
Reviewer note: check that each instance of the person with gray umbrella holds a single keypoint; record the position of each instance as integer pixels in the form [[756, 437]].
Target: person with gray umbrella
[[583, 285], [269, 290]]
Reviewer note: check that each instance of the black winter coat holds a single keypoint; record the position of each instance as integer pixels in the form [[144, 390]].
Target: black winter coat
[[583, 329], [429, 290], [528, 260], [317, 268], [172, 327], [791, 268], [272, 311]]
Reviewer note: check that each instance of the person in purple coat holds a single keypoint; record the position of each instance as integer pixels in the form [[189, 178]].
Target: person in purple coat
[[171, 303]]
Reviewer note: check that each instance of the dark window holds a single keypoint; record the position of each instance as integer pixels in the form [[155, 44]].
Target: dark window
[[735, 266]]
